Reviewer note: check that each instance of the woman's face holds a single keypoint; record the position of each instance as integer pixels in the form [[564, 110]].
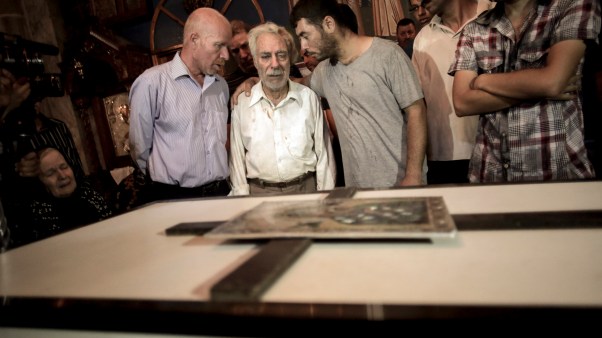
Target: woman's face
[[56, 174]]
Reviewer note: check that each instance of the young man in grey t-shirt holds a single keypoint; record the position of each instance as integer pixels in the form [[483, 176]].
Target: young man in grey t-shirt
[[374, 94]]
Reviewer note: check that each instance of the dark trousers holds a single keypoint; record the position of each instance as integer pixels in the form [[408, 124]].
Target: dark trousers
[[447, 172], [160, 191]]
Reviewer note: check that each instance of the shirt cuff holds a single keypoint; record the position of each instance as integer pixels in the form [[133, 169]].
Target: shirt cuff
[[240, 190]]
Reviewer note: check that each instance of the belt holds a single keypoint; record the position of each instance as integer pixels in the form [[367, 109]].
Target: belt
[[281, 185], [212, 187], [168, 191]]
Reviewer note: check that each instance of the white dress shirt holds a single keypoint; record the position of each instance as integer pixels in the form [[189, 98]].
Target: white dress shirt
[[449, 137], [279, 143]]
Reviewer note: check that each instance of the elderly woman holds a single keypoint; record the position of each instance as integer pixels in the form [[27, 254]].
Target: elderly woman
[[64, 205]]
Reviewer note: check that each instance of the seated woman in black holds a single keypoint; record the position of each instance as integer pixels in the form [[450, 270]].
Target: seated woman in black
[[64, 205]]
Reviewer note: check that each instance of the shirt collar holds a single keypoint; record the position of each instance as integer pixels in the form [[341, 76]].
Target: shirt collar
[[179, 69], [488, 18], [482, 6], [435, 21], [497, 18], [257, 94]]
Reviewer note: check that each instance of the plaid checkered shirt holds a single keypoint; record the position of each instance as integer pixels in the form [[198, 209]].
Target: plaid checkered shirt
[[537, 139]]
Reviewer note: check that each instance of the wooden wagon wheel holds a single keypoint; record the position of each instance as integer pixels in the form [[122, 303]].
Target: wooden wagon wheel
[[162, 10]]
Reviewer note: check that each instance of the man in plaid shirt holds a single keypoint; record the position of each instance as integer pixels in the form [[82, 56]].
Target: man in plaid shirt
[[518, 66]]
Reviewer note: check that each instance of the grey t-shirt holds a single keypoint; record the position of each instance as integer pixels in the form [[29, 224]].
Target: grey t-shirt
[[367, 98]]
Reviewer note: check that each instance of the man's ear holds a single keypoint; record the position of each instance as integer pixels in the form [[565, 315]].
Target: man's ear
[[328, 24], [194, 38]]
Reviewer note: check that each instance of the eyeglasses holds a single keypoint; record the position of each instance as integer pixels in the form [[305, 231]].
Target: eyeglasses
[[414, 8]]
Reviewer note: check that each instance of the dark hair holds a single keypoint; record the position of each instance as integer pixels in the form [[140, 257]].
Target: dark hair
[[239, 26], [349, 17], [314, 11], [405, 22], [43, 151]]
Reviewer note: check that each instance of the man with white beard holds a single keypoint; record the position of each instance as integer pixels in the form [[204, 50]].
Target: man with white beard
[[278, 143]]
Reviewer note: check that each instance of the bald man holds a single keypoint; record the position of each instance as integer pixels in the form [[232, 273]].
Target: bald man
[[179, 114]]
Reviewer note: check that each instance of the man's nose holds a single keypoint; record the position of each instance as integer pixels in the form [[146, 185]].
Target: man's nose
[[223, 53], [274, 62], [303, 44], [244, 53]]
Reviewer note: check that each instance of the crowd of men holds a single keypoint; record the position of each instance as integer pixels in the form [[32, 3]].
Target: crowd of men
[[507, 111], [474, 91]]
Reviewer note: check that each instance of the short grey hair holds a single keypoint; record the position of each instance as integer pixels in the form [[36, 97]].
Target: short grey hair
[[272, 28]]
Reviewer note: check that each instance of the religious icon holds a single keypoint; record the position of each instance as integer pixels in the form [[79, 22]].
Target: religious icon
[[419, 217]]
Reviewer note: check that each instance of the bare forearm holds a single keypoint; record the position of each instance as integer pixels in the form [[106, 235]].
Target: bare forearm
[[521, 86], [468, 101], [477, 102], [416, 142], [548, 81]]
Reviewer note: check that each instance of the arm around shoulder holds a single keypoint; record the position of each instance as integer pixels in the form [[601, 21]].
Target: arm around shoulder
[[244, 87]]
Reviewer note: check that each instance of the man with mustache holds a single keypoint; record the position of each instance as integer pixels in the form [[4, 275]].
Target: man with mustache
[[239, 49], [179, 112], [406, 33], [278, 140]]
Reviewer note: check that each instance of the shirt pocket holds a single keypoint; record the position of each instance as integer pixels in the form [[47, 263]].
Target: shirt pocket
[[298, 142], [490, 62], [531, 58]]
